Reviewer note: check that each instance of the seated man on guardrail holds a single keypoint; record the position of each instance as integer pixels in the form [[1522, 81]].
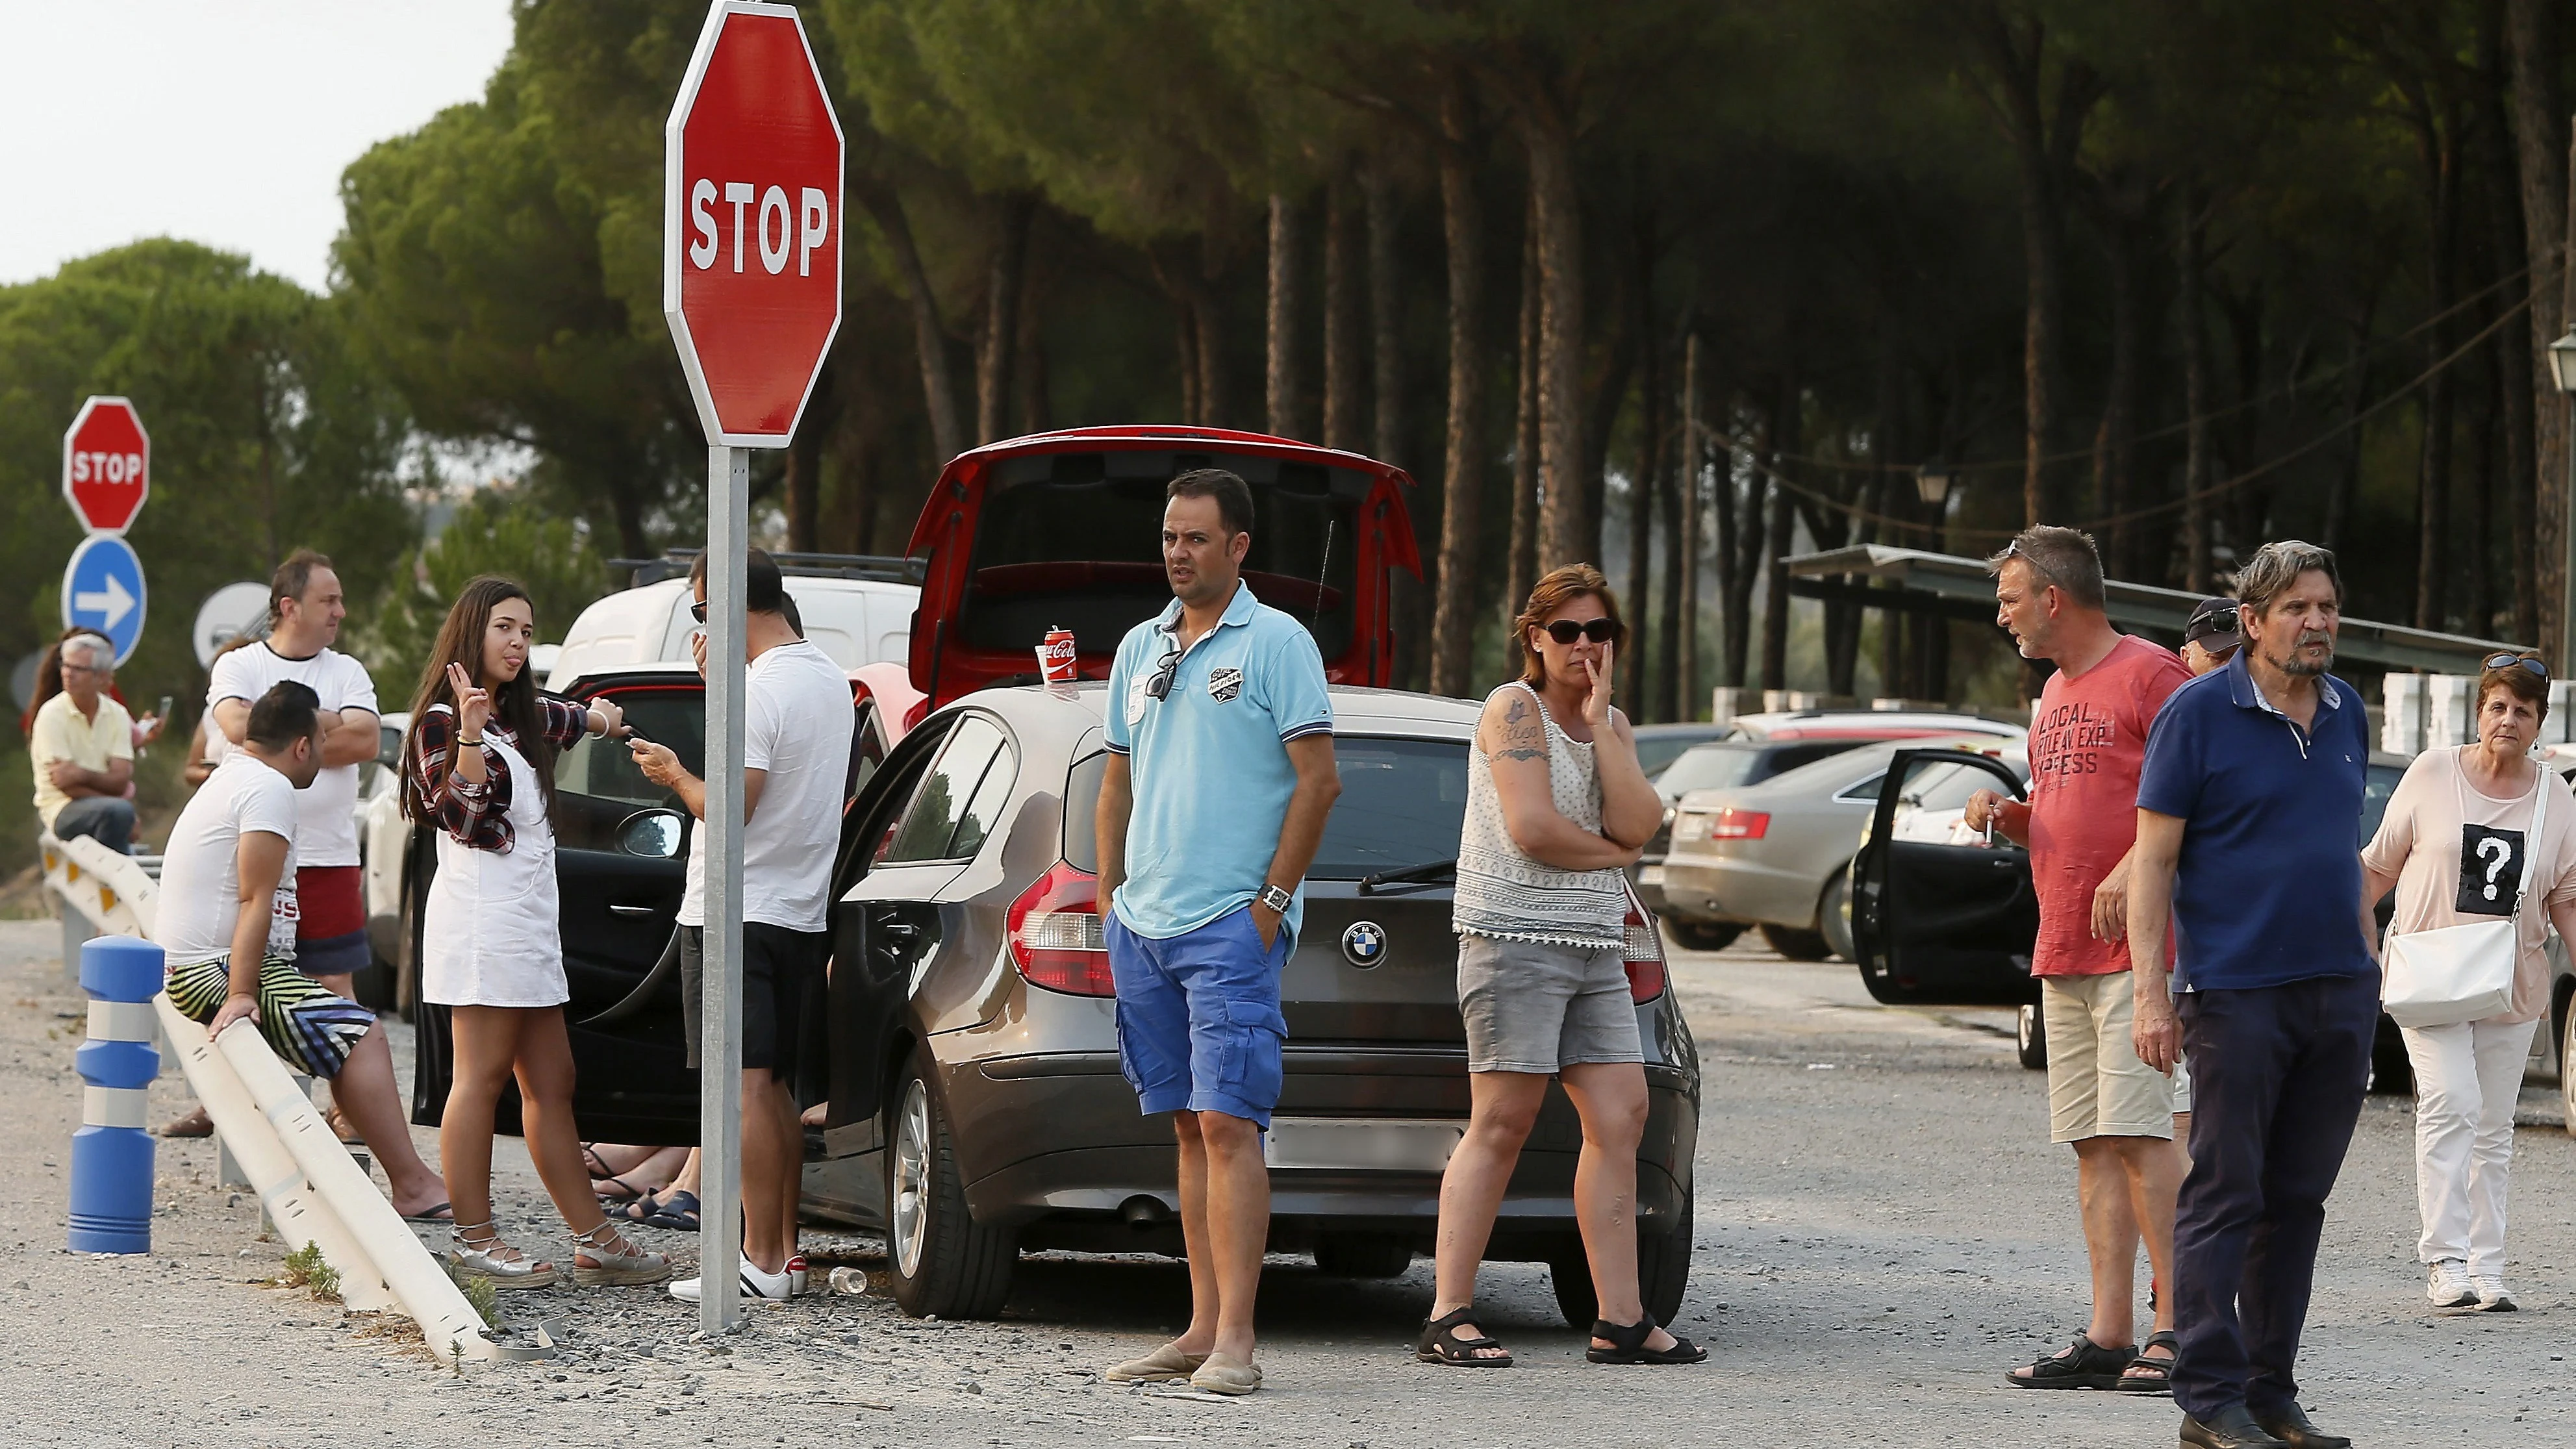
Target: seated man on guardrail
[[227, 924], [81, 746]]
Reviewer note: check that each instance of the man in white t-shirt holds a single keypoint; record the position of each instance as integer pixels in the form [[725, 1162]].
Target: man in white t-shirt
[[305, 607], [796, 758], [227, 926]]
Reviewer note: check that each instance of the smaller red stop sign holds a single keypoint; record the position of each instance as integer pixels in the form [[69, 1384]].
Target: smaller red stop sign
[[751, 223], [107, 465]]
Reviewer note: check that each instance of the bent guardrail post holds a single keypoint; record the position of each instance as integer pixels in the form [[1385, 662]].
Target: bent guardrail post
[[447, 1322], [111, 1207], [293, 1209]]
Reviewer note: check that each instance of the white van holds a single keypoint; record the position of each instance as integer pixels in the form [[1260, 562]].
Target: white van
[[854, 620]]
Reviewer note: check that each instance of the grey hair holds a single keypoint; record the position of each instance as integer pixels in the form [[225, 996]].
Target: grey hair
[[92, 647], [2276, 566], [2065, 557]]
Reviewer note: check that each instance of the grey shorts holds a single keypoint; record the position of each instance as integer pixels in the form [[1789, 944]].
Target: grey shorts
[[1531, 1006]]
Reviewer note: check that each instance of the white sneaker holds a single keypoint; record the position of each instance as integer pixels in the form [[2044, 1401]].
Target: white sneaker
[[776, 1287], [2449, 1286], [799, 1275], [2491, 1294]]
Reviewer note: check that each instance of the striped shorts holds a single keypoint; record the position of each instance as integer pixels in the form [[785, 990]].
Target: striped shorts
[[310, 1027]]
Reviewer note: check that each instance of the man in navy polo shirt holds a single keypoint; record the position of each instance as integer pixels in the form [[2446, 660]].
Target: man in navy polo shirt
[[1219, 779], [2249, 810]]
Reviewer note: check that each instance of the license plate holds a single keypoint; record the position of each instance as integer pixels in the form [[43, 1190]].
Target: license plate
[[1652, 875], [1361, 1143]]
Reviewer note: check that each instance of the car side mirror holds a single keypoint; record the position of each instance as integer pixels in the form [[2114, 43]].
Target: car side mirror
[[653, 834]]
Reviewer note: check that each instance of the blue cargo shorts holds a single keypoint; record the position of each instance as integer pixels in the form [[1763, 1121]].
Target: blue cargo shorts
[[1198, 1016]]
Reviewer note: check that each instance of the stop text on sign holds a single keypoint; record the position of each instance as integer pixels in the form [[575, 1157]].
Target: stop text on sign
[[800, 230], [107, 467]]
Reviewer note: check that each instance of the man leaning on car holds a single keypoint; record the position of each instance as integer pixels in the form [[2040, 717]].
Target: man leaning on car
[[2087, 743], [1219, 778]]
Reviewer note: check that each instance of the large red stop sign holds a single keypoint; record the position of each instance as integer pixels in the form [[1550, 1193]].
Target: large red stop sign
[[751, 223], [107, 465]]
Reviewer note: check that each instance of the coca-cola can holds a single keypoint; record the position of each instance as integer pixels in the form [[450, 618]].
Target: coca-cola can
[[1055, 656]]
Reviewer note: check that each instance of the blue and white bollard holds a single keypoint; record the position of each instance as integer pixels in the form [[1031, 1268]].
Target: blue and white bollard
[[112, 1153]]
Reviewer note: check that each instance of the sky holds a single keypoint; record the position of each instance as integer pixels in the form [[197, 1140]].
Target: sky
[[226, 122]]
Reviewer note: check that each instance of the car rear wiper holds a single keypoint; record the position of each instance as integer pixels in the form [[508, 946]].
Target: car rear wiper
[[1432, 871]]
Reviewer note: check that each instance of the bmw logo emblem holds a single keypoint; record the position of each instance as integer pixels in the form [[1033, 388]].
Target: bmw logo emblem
[[1364, 944]]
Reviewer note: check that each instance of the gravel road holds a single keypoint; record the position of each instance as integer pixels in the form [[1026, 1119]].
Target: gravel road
[[1883, 1230]]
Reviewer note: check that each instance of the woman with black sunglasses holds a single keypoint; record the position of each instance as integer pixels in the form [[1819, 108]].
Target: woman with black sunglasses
[[1556, 808], [2472, 835]]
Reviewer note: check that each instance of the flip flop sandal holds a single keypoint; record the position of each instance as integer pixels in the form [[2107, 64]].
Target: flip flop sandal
[[2146, 1375], [1441, 1343], [627, 1192], [436, 1213], [679, 1213], [596, 1164], [1628, 1344], [2083, 1364]]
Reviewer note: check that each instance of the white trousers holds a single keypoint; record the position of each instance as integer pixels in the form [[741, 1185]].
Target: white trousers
[[2466, 1079]]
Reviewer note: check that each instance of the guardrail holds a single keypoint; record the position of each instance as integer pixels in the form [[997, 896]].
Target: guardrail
[[308, 1185]]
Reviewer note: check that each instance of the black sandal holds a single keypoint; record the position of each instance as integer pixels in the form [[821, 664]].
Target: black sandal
[[2083, 1364], [1441, 1343], [2158, 1378], [1628, 1344]]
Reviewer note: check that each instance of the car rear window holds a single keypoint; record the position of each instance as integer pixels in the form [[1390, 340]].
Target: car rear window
[[1074, 539], [1709, 767], [1656, 752], [1403, 803]]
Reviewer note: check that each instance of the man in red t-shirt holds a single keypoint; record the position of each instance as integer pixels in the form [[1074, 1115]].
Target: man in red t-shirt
[[2088, 739]]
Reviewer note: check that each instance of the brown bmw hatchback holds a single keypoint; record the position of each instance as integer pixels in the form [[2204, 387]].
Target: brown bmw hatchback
[[977, 1106]]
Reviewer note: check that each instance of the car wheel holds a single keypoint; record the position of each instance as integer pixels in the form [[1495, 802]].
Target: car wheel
[[1707, 935], [1797, 945], [1663, 1274], [2030, 1037], [1363, 1255], [941, 1261], [1833, 915]]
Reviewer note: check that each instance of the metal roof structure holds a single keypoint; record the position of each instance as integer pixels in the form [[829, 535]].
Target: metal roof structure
[[1946, 584]]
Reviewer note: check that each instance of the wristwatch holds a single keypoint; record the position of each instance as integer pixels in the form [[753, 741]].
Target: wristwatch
[[1276, 899]]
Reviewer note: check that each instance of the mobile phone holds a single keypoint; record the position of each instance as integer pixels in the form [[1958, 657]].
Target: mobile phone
[[163, 711]]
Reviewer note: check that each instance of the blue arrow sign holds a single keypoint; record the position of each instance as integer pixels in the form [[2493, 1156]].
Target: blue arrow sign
[[103, 590]]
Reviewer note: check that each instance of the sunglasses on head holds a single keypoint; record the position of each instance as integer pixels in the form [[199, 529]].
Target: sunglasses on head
[[2508, 661], [1599, 631]]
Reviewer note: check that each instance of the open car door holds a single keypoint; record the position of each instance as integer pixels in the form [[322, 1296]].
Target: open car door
[[1941, 915], [621, 846]]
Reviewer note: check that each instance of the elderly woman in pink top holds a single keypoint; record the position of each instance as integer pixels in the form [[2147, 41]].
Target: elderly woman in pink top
[[2454, 844]]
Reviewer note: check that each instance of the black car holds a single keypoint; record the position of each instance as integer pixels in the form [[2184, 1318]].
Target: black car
[[1953, 921]]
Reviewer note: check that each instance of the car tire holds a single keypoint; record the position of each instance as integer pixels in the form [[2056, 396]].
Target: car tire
[[1833, 915], [1663, 1274], [1706, 935], [2030, 1038], [940, 1261], [1363, 1255], [1798, 945]]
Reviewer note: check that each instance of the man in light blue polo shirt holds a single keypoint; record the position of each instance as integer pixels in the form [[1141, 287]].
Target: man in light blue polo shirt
[[1220, 776], [2251, 795]]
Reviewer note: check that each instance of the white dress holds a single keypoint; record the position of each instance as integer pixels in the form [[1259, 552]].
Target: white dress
[[491, 934]]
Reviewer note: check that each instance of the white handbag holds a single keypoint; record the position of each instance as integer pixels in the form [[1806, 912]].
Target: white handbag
[[2461, 973]]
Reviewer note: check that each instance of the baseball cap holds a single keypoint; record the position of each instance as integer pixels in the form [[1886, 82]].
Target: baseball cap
[[2213, 625]]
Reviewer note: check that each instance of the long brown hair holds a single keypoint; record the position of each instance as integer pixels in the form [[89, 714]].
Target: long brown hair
[[514, 705], [1559, 588]]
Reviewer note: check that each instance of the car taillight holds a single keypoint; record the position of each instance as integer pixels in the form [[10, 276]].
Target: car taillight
[[1645, 954], [1734, 824], [1054, 933]]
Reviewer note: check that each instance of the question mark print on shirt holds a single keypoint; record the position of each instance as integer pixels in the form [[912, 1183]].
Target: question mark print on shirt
[[2490, 878], [2496, 853]]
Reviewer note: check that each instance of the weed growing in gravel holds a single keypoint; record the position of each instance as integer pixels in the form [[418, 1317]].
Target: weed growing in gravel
[[479, 1293], [304, 1268]]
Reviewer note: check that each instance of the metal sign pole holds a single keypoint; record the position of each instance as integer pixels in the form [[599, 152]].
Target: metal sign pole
[[720, 1052]]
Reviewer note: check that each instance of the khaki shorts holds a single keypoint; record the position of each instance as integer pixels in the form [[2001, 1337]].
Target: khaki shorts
[[2097, 1087], [1534, 1006]]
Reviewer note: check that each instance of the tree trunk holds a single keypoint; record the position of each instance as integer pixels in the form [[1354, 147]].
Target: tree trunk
[[804, 462], [1522, 569], [1386, 300], [2540, 129], [1008, 267], [1568, 532], [1342, 359], [1462, 485], [1280, 354], [1681, 580], [2114, 448], [1207, 312], [1030, 403], [2440, 139], [1185, 347], [2343, 496], [2510, 352], [1645, 482], [1785, 441], [2195, 395], [929, 339]]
